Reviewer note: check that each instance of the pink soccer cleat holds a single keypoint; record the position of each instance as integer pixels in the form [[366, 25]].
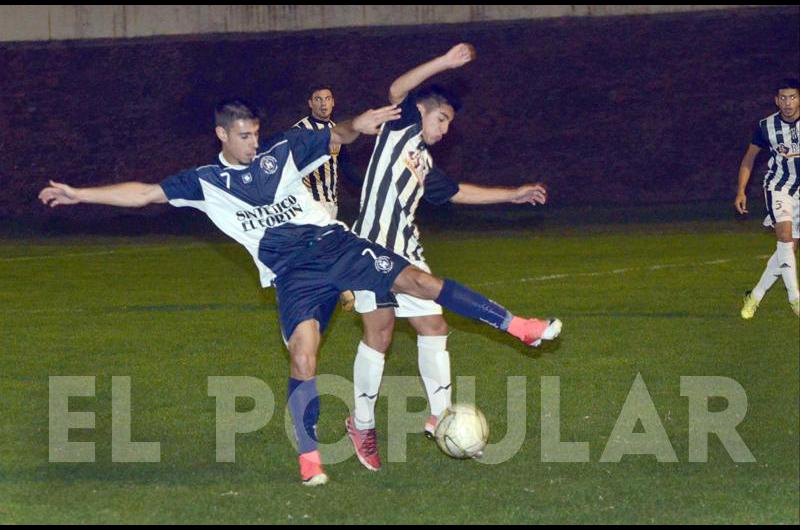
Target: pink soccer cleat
[[311, 471], [430, 427], [365, 443], [533, 331]]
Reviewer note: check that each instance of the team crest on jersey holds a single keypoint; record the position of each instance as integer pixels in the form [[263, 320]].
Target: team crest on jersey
[[418, 164], [247, 178], [384, 264], [269, 164]]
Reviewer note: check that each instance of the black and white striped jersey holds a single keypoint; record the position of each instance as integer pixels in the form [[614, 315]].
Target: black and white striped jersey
[[782, 138], [400, 173], [322, 182]]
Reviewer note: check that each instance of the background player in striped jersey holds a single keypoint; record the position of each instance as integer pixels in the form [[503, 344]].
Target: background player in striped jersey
[[323, 182], [400, 173], [298, 249], [780, 133]]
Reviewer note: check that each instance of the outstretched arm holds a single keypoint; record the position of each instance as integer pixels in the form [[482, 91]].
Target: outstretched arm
[[472, 194], [369, 122], [456, 57], [745, 170], [126, 194]]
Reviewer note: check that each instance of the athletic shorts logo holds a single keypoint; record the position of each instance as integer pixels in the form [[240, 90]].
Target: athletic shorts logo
[[247, 178], [384, 264], [269, 164]]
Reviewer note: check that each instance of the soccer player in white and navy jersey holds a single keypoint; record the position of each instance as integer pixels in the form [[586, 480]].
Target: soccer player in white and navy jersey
[[298, 249], [400, 174], [780, 134]]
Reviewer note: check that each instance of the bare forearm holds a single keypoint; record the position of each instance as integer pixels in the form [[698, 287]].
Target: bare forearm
[[746, 167], [415, 77], [344, 133], [471, 194], [126, 194], [744, 178]]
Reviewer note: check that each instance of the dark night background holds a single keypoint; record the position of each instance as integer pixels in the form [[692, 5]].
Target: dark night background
[[637, 110]]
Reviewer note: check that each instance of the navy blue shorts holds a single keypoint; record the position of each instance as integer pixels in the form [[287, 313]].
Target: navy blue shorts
[[337, 261]]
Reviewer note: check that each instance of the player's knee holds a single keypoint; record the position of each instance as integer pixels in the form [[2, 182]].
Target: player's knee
[[435, 326], [379, 340], [303, 364]]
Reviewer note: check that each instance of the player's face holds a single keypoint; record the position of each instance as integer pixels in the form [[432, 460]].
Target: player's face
[[788, 100], [435, 121], [239, 141], [321, 103]]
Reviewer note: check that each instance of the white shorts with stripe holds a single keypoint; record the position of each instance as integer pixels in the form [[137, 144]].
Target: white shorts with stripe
[[782, 207], [405, 306]]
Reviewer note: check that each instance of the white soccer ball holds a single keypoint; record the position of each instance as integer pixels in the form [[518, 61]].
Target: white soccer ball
[[462, 431]]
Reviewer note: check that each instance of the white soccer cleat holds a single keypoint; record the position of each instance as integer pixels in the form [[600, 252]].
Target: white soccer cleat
[[552, 331], [316, 480]]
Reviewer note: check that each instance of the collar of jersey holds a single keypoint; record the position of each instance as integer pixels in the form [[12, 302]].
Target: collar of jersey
[[225, 163]]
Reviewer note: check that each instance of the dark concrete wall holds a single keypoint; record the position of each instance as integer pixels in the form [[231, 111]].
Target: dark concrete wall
[[627, 110]]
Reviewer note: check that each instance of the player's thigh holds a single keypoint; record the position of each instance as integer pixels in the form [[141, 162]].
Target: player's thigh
[[304, 295], [364, 266]]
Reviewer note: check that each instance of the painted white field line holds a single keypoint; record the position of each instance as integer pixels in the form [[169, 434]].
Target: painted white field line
[[613, 272], [90, 254]]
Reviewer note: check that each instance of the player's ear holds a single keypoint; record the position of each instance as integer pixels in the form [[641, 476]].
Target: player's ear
[[421, 108], [222, 134]]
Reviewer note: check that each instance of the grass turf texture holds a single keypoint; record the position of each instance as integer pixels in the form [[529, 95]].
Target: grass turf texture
[[171, 311]]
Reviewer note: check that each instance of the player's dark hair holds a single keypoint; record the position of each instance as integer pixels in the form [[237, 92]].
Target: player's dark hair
[[436, 95], [317, 88], [788, 82], [230, 110]]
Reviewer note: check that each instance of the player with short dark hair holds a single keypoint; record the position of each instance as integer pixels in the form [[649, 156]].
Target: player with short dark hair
[[307, 256], [323, 182], [401, 173], [236, 125], [780, 133]]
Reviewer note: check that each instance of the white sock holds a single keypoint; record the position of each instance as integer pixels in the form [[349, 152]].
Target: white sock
[[434, 367], [788, 269], [367, 375], [770, 276]]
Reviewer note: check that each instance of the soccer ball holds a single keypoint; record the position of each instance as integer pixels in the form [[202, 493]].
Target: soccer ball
[[462, 431]]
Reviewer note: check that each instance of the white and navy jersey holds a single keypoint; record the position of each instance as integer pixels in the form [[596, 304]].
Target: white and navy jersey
[[782, 138], [322, 182], [400, 173], [264, 206]]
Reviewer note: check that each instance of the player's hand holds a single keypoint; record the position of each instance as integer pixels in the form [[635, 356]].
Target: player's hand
[[459, 55], [532, 193], [57, 194], [348, 300], [741, 203], [370, 122]]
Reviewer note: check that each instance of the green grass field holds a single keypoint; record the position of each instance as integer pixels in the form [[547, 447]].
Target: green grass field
[[655, 299]]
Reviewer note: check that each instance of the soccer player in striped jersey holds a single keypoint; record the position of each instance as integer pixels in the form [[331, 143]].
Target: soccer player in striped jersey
[[400, 174], [780, 133], [299, 249], [323, 183]]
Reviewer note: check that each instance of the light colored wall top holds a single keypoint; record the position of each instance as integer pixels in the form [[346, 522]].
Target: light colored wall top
[[58, 22]]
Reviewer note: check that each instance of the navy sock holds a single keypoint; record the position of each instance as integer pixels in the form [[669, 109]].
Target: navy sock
[[471, 304], [304, 407]]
